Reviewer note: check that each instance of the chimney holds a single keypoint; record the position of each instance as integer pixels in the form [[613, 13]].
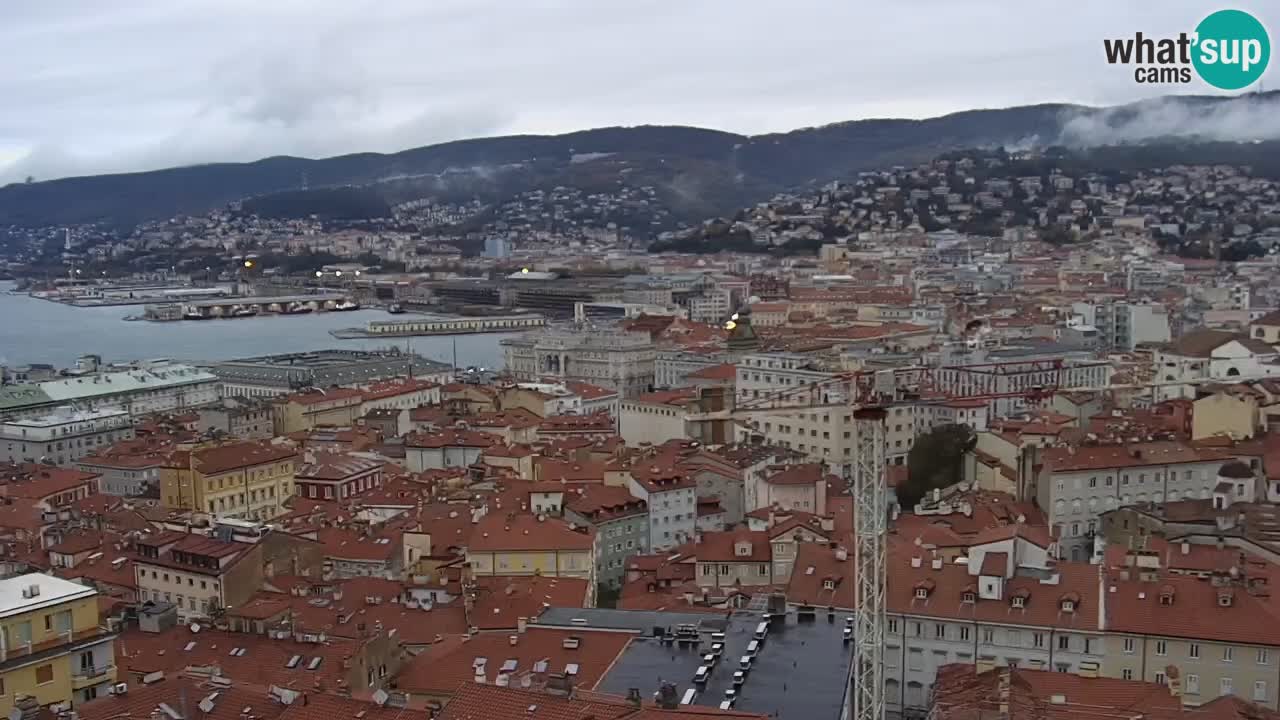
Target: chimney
[[1186, 548], [1003, 689], [668, 698], [27, 706]]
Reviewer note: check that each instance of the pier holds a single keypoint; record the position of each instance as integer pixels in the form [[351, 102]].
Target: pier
[[250, 307], [442, 326]]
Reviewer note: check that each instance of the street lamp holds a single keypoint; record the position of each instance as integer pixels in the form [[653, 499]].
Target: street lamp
[[248, 263], [319, 273]]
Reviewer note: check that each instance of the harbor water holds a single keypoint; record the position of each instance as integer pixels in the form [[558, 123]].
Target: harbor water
[[41, 331]]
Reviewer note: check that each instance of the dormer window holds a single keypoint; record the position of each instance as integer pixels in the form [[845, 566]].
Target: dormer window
[[969, 597], [1068, 606], [922, 594], [1166, 597], [1019, 602], [1224, 599], [828, 584]]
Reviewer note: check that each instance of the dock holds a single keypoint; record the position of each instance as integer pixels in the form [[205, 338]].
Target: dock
[[442, 326], [238, 307]]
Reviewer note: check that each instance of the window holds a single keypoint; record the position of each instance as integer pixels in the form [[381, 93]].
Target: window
[[918, 628], [940, 631], [1162, 647], [922, 594], [1260, 690], [964, 632], [915, 659], [1193, 651], [893, 625], [988, 636], [1015, 638], [1126, 674], [1228, 654], [1128, 645], [1161, 679], [44, 674], [1019, 601], [1224, 686], [1064, 642], [1192, 685], [1264, 657], [1037, 640]]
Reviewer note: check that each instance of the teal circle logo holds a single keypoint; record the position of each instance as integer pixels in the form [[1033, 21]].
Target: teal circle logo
[[1231, 49]]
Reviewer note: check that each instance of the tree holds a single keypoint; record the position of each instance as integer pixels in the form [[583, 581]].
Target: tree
[[935, 461]]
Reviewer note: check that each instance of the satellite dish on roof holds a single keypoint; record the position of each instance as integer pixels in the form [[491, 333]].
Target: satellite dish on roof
[[195, 627]]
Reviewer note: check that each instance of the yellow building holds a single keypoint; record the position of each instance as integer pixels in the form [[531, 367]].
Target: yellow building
[[526, 544], [247, 480], [51, 646], [1231, 411], [337, 407]]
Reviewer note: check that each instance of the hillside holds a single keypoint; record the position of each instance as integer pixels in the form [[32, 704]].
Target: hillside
[[704, 171]]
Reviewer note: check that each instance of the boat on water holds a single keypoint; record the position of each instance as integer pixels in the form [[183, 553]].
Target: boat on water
[[194, 315], [298, 308], [345, 306], [396, 309], [244, 311]]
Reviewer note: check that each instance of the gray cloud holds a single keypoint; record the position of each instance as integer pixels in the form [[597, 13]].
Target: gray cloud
[[138, 84]]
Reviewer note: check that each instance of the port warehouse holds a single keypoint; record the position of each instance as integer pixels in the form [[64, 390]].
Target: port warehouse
[[263, 304], [456, 325]]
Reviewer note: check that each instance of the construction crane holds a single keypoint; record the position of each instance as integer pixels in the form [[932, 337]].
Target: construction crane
[[869, 395]]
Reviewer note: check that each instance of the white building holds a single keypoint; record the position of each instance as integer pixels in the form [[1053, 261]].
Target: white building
[[1211, 355], [157, 386], [619, 360], [64, 436], [1123, 325], [672, 503]]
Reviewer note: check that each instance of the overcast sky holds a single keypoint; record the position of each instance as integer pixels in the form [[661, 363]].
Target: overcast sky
[[93, 86]]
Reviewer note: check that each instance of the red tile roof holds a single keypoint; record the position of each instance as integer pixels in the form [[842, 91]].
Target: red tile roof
[[447, 672], [722, 547], [506, 532], [234, 456]]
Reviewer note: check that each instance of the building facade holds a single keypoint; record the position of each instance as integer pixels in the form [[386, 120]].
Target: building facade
[[619, 360], [54, 648], [245, 480], [64, 436]]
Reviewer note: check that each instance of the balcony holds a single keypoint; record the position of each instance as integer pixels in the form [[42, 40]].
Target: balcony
[[64, 642], [83, 677]]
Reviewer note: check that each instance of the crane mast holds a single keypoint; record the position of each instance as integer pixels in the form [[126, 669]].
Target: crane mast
[[870, 509]]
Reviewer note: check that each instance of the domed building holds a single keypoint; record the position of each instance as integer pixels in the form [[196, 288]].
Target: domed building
[[1237, 483]]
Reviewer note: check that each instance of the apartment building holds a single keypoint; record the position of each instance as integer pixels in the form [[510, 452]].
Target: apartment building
[[244, 480], [238, 417], [51, 645], [800, 487], [307, 410], [1076, 485], [64, 436], [129, 474], [527, 544], [1007, 605], [336, 476], [669, 493], [656, 417], [621, 522], [198, 574], [1218, 634], [1123, 325], [734, 558]]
